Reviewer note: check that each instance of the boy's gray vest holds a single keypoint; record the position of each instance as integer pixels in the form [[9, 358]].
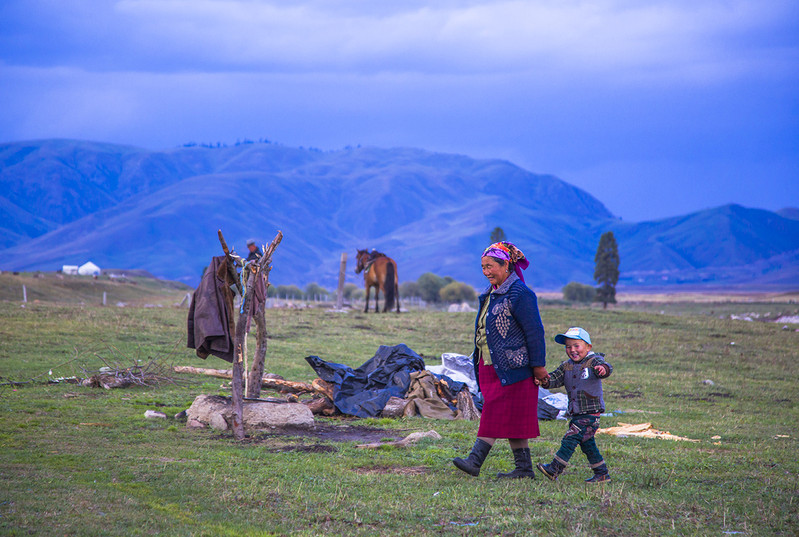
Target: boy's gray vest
[[580, 377]]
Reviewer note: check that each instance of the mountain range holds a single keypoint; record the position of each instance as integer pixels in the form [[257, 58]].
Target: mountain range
[[67, 201]]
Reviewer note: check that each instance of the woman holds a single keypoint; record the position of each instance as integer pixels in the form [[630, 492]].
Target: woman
[[509, 352]]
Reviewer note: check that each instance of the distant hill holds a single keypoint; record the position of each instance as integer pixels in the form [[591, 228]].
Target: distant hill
[[65, 202], [130, 290], [789, 212]]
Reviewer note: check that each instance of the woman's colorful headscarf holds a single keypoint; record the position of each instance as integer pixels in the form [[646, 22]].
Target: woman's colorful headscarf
[[508, 251]]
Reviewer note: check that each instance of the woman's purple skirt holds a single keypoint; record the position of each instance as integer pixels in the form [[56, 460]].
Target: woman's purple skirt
[[508, 411]]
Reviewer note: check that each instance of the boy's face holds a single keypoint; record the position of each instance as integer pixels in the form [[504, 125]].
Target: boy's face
[[576, 349]]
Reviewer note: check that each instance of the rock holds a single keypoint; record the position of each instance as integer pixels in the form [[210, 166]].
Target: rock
[[154, 415], [708, 382], [216, 411], [273, 376], [394, 408], [195, 424], [408, 440], [462, 307], [259, 415], [210, 410]]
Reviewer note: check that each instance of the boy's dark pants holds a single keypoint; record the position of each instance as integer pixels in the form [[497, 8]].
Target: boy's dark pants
[[582, 429]]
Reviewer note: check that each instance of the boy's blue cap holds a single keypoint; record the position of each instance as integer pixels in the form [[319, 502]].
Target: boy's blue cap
[[575, 332]]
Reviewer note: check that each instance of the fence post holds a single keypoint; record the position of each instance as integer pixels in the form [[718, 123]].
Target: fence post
[[104, 297], [340, 290], [24, 293]]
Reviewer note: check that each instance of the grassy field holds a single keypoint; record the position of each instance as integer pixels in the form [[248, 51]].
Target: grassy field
[[83, 461], [51, 287]]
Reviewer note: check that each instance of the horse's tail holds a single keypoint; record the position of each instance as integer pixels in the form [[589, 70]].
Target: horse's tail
[[388, 287]]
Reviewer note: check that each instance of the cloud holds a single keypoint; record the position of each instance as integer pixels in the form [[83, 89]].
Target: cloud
[[707, 39], [601, 92]]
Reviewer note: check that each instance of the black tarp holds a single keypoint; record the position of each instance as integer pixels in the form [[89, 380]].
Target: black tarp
[[363, 392]]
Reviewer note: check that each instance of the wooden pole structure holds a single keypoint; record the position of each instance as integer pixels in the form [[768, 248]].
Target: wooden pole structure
[[104, 297], [237, 383], [258, 269], [340, 290], [24, 293], [263, 268]]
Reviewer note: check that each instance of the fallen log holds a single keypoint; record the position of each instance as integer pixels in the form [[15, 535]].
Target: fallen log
[[324, 388], [219, 373], [466, 408], [266, 382], [321, 405]]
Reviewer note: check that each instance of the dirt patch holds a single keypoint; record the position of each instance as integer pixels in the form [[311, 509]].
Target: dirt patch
[[329, 433], [709, 398], [626, 394], [398, 470], [310, 448], [91, 395]]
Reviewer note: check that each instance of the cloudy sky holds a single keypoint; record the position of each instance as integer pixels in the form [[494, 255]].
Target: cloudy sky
[[656, 107]]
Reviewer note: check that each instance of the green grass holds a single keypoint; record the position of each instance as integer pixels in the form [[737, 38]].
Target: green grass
[[52, 287], [124, 475]]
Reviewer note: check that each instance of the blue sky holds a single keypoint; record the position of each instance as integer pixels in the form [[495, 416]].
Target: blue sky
[[656, 108]]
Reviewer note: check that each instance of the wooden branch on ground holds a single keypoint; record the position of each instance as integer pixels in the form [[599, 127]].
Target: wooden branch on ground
[[270, 383]]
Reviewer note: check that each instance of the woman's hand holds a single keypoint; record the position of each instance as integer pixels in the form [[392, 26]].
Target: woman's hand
[[540, 376]]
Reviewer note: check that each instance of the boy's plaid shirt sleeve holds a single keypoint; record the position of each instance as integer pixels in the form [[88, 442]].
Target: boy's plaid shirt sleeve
[[599, 360], [556, 377]]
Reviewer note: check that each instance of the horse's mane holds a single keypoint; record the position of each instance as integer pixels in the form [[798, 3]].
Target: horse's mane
[[374, 254]]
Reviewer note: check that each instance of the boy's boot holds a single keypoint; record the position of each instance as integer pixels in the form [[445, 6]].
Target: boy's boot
[[524, 465], [471, 464], [600, 474], [551, 470]]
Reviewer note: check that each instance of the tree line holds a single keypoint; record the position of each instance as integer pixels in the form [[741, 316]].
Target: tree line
[[435, 289]]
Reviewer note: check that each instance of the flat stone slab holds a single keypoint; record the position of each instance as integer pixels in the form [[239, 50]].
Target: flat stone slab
[[216, 411]]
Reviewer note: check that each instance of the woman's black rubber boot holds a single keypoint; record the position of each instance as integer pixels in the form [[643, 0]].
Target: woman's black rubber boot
[[524, 465], [471, 464]]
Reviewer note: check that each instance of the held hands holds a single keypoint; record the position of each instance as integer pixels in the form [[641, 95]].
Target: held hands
[[601, 371], [540, 376]]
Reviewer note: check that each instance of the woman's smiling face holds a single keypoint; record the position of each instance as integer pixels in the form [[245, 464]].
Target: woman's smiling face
[[495, 273]]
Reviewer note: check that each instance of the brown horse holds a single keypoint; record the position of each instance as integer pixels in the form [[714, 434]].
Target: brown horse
[[380, 272]]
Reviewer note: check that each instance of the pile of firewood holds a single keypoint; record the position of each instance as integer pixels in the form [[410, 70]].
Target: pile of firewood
[[153, 373], [321, 403]]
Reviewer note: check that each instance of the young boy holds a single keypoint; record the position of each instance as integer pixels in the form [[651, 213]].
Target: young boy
[[582, 376]]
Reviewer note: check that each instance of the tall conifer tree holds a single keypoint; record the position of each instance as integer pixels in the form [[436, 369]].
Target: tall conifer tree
[[498, 235], [606, 272]]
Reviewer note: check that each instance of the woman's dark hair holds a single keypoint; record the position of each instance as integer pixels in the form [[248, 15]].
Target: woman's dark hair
[[501, 262]]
